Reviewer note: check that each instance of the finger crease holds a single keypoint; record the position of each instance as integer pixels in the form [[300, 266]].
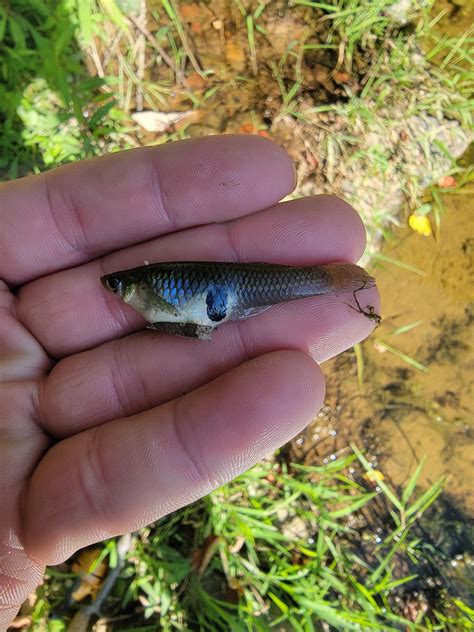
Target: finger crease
[[200, 472], [91, 474], [160, 200], [71, 244], [122, 390], [231, 242]]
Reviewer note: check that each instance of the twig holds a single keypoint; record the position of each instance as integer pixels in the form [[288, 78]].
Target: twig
[[111, 49], [140, 57], [81, 618], [160, 50]]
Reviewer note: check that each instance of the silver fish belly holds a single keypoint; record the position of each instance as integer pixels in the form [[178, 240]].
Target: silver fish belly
[[193, 298]]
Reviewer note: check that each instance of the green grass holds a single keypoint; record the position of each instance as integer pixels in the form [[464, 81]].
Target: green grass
[[233, 562], [51, 110]]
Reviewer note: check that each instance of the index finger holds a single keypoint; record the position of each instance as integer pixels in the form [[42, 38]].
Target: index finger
[[76, 213]]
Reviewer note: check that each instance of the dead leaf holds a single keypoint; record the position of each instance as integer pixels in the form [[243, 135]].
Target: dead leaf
[[190, 12], [20, 622], [235, 55], [203, 556], [196, 82], [158, 121], [239, 543], [312, 160], [90, 581], [102, 625], [447, 182], [284, 30], [341, 77], [193, 117], [247, 128]]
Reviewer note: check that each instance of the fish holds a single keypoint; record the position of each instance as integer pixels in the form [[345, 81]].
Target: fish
[[193, 298]]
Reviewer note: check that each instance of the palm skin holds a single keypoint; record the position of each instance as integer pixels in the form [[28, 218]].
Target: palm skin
[[105, 428]]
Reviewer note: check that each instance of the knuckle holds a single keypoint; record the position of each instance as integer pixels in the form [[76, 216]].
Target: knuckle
[[189, 447]]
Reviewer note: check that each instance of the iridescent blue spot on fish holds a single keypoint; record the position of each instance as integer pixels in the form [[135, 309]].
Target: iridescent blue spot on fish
[[216, 302]]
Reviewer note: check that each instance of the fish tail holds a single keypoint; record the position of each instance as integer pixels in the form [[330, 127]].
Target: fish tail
[[347, 277]]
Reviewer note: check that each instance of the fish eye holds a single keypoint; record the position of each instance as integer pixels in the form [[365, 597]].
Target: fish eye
[[113, 283]]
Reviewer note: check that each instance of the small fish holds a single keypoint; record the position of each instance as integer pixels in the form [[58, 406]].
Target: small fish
[[192, 298]]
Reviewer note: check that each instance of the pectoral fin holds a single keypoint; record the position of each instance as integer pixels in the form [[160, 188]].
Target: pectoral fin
[[251, 311], [165, 307]]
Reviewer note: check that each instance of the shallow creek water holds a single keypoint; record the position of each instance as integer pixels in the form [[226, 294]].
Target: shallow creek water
[[401, 414]]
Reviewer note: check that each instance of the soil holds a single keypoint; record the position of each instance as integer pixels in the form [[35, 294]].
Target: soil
[[377, 161]]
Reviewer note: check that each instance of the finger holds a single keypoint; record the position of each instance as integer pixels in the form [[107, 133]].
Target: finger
[[78, 212], [124, 377], [71, 311], [125, 474]]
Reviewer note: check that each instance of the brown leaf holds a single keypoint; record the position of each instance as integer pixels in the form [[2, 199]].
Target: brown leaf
[[447, 182], [247, 128], [190, 12], [158, 121], [341, 77], [91, 581], [191, 118], [235, 55], [203, 556], [20, 622], [284, 30], [195, 81]]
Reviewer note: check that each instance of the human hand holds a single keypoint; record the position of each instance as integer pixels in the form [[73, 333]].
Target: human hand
[[97, 437]]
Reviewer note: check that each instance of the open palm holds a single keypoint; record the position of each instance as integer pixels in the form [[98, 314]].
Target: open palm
[[105, 428]]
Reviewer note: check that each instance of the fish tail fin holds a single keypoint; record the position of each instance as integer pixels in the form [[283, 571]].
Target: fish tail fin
[[348, 277]]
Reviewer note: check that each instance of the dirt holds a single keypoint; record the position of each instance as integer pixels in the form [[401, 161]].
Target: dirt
[[377, 161]]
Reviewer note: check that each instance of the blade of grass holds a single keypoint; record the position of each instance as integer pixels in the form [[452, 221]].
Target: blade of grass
[[400, 264], [410, 486], [403, 356], [360, 364], [251, 39]]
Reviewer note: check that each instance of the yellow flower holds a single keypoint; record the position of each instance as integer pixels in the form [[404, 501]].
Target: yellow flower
[[374, 476], [420, 224]]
